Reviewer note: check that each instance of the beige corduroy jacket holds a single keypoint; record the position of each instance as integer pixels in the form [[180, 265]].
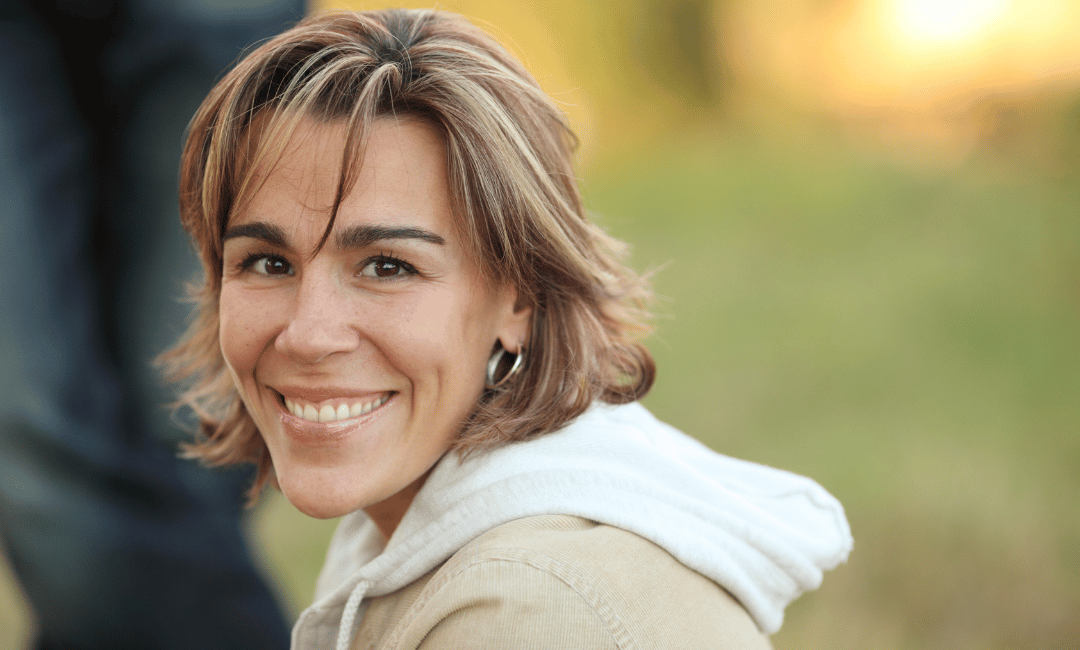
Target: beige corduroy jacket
[[559, 582]]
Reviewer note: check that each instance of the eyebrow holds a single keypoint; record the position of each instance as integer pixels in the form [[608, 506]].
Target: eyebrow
[[361, 236], [350, 238], [266, 232]]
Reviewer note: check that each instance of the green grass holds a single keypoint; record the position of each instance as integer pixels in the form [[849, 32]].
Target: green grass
[[911, 341]]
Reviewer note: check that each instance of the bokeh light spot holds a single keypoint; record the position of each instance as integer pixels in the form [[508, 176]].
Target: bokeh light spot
[[945, 21]]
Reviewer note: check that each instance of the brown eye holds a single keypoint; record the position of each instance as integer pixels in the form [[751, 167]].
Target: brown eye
[[272, 266], [386, 268]]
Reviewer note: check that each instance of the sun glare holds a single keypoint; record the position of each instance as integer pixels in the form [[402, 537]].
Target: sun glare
[[945, 21]]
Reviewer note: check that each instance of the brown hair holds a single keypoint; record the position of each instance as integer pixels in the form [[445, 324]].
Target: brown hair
[[515, 196]]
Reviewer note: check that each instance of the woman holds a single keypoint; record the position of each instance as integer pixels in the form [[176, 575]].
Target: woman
[[408, 320]]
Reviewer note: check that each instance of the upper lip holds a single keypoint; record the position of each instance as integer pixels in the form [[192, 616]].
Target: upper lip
[[323, 393]]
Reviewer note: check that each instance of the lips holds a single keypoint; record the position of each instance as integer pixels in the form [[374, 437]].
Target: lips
[[334, 410]]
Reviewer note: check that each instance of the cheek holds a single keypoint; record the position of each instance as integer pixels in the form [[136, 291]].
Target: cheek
[[442, 326], [244, 328], [412, 327]]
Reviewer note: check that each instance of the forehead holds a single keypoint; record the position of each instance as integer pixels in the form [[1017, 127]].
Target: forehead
[[399, 176]]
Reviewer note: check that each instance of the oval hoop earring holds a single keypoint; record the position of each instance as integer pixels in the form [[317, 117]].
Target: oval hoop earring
[[493, 366]]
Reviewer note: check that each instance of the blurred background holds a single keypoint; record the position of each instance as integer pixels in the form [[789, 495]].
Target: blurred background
[[864, 221]]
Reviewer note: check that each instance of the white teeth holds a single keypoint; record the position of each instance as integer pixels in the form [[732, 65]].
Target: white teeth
[[328, 413], [294, 408]]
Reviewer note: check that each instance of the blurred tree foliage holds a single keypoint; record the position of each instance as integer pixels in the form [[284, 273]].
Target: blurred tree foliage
[[1035, 128], [675, 41]]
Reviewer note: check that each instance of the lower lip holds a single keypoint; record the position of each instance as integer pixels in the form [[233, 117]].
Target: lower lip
[[327, 433]]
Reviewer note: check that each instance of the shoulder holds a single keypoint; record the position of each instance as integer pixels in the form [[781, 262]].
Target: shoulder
[[560, 581]]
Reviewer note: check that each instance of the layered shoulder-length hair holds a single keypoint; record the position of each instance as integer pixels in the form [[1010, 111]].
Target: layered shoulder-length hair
[[515, 200]]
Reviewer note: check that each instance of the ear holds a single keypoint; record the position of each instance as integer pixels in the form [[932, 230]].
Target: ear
[[515, 322]]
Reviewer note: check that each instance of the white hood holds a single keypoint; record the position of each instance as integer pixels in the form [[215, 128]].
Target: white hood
[[763, 534]]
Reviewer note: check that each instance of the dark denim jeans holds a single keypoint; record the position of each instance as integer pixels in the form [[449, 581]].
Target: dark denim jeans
[[116, 542]]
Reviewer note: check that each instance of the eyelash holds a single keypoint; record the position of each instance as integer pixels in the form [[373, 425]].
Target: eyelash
[[406, 268], [249, 261]]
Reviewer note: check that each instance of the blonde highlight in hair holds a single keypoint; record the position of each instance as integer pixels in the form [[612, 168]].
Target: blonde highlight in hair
[[515, 198]]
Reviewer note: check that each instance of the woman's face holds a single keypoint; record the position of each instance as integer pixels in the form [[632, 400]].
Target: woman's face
[[358, 364]]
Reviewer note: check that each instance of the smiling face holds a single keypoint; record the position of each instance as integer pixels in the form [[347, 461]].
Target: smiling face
[[359, 363]]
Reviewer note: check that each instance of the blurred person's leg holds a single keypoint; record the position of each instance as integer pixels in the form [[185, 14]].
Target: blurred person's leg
[[117, 544]]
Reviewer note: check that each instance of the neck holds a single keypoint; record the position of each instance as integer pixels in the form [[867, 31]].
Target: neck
[[388, 513]]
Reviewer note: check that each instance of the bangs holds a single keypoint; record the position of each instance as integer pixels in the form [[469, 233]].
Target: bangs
[[324, 78]]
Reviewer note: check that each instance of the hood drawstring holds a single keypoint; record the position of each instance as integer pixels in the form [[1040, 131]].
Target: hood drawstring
[[348, 616]]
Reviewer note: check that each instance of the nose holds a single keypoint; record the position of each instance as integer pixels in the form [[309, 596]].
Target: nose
[[319, 325]]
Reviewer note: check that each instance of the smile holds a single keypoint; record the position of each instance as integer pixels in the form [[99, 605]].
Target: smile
[[336, 409]]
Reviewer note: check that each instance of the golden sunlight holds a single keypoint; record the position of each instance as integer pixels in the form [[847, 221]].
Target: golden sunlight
[[944, 21], [911, 54]]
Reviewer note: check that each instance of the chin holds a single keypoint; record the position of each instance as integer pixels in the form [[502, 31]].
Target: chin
[[318, 495], [319, 510]]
